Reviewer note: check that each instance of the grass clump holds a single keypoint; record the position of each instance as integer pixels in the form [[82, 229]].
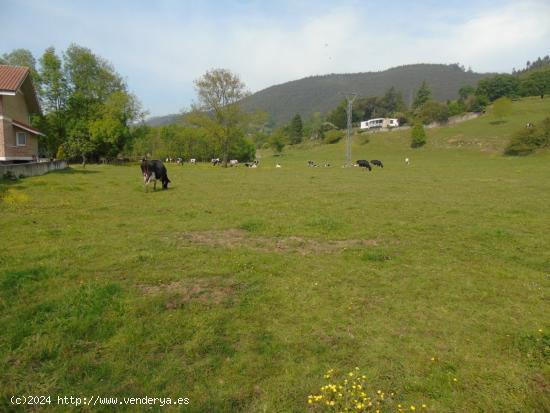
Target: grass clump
[[353, 393]]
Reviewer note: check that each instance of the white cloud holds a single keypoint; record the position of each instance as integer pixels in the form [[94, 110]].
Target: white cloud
[[161, 52]]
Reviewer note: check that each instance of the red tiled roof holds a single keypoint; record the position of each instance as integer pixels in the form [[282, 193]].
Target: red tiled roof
[[11, 77], [26, 127]]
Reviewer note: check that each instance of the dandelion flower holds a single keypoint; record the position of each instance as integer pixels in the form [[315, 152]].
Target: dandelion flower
[[424, 406], [413, 408], [455, 379]]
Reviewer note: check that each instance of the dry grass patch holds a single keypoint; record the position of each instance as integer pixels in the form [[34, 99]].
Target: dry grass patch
[[236, 238], [211, 290]]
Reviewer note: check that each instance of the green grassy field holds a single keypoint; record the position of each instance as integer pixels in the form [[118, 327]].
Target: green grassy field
[[239, 288]]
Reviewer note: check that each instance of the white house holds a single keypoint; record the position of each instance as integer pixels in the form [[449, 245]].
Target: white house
[[380, 123]]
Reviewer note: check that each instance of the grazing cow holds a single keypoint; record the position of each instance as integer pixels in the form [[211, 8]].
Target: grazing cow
[[233, 162], [407, 161], [528, 125], [277, 165], [363, 163], [179, 161], [215, 161], [253, 164], [193, 161], [153, 170], [376, 162]]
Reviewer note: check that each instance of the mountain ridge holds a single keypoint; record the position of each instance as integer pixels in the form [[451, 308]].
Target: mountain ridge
[[321, 93]]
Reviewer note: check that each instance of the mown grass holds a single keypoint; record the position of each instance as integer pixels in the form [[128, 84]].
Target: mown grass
[[457, 269]]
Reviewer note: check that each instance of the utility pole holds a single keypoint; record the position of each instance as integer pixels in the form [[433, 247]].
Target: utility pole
[[350, 97]]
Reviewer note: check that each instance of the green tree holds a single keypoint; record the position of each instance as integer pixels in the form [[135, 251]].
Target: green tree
[[314, 126], [54, 94], [218, 111], [338, 116], [536, 83], [296, 129], [422, 95], [498, 86], [418, 135], [22, 57], [392, 102], [502, 107], [111, 130], [465, 91], [98, 111]]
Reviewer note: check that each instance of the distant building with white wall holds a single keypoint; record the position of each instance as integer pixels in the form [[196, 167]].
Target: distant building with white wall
[[380, 123]]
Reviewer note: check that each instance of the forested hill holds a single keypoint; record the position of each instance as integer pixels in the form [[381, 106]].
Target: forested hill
[[323, 93]]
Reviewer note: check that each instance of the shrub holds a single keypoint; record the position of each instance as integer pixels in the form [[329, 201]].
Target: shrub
[[456, 107], [277, 141], [418, 136], [60, 153], [333, 136], [502, 107], [433, 111], [528, 140], [402, 118], [242, 150]]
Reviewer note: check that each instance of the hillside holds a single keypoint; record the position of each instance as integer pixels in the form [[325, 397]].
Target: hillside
[[155, 121], [322, 93]]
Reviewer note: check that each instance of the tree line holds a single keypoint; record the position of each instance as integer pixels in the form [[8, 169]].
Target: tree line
[[89, 113]]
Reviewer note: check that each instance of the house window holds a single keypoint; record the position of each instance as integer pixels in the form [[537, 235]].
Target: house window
[[21, 138]]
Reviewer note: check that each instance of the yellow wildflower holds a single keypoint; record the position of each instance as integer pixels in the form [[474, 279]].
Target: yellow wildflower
[[413, 408]]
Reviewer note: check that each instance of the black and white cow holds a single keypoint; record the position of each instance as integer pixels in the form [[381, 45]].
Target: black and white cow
[[363, 163], [153, 170], [376, 162], [215, 161]]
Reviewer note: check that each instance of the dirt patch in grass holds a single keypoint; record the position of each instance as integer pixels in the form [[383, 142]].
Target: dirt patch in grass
[[211, 290], [236, 238]]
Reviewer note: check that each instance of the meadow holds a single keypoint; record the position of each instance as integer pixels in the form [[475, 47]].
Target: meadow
[[239, 288]]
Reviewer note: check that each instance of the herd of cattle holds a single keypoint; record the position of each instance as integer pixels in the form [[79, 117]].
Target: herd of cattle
[[153, 170]]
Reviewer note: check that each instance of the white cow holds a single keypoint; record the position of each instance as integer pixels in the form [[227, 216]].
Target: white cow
[[233, 162], [193, 161]]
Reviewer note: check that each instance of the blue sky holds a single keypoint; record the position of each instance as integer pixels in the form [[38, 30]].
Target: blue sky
[[160, 47]]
